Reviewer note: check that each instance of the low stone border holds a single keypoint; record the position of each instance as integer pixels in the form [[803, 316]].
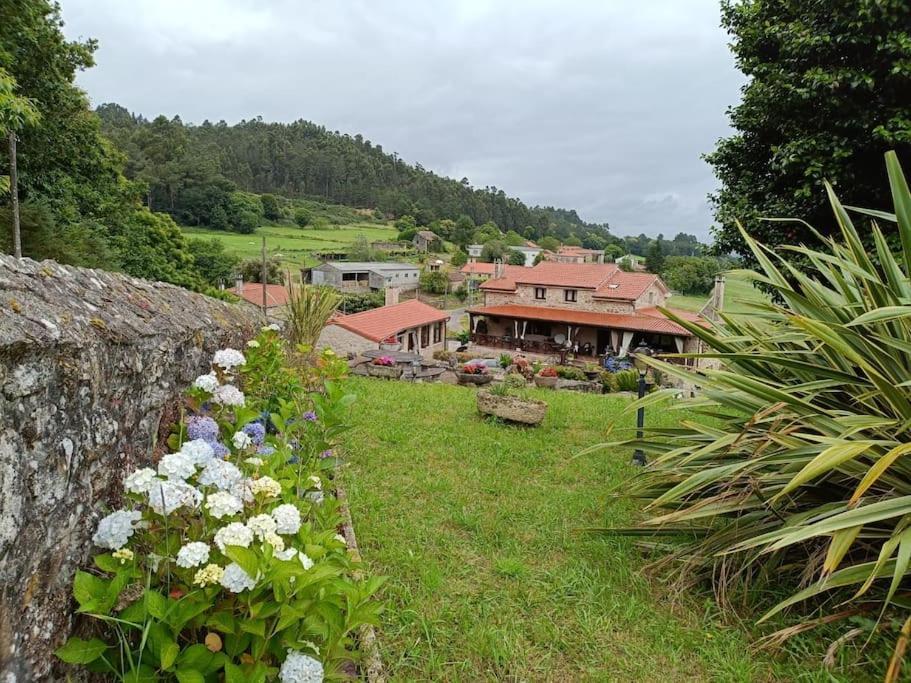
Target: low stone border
[[373, 663]]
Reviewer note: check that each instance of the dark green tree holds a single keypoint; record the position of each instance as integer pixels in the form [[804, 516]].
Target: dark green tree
[[302, 217], [829, 92], [654, 260], [459, 258], [271, 207], [515, 258], [214, 264]]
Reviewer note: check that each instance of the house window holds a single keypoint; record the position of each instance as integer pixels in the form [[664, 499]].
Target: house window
[[569, 295], [540, 293], [437, 333], [425, 336]]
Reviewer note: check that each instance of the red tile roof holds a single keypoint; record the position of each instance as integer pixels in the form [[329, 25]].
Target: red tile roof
[[381, 323], [479, 268], [608, 281], [679, 312], [620, 321], [276, 295]]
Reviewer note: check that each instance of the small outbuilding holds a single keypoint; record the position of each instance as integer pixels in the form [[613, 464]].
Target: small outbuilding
[[411, 326], [426, 240]]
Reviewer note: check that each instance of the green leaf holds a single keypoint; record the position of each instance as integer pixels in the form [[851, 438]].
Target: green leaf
[[88, 590], [168, 654], [246, 558], [223, 622], [156, 604], [79, 651], [189, 676]]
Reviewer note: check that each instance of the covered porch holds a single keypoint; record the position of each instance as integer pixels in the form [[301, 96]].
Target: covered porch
[[544, 330]]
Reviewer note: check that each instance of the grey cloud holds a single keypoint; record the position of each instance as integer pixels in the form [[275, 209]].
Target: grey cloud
[[600, 106]]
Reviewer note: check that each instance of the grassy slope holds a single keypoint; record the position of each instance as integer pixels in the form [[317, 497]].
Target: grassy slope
[[295, 244], [737, 290], [476, 526]]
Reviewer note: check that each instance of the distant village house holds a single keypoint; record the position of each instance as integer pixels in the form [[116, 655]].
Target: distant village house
[[411, 326], [426, 240], [365, 276]]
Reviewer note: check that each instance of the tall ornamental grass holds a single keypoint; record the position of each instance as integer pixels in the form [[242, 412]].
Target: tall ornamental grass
[[799, 482]]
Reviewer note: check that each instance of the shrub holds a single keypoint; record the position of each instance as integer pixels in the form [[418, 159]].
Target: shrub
[[434, 282], [474, 369], [226, 563], [514, 381], [608, 381], [549, 371], [570, 372], [505, 360], [801, 479], [626, 380], [500, 389]]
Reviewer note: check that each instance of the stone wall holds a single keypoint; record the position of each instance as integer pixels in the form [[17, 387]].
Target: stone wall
[[89, 361]]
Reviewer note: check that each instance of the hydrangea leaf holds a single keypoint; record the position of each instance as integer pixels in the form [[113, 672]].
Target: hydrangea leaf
[[79, 651]]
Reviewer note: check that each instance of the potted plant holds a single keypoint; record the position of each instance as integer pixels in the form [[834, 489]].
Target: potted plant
[[547, 377], [474, 373], [502, 403], [591, 370], [384, 366]]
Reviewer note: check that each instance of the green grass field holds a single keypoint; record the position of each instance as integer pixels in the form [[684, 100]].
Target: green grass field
[[293, 245], [479, 528], [738, 292]]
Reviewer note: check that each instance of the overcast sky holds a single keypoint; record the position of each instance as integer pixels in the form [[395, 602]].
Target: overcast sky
[[601, 105]]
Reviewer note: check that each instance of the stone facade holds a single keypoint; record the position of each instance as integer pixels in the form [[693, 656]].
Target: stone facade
[[554, 297], [344, 341], [89, 363]]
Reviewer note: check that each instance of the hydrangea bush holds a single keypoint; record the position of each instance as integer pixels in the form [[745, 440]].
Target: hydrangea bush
[[225, 561]]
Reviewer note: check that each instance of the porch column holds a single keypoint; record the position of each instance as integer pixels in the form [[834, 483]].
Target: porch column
[[475, 321], [417, 339], [524, 325], [627, 340], [515, 329]]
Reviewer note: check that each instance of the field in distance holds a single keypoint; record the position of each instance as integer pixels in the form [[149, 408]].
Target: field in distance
[[738, 292], [294, 246]]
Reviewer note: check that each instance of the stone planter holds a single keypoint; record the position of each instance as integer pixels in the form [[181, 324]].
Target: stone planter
[[546, 382], [387, 371], [512, 408], [592, 374], [467, 378]]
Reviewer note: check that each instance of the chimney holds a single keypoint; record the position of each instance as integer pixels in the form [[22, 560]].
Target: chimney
[[498, 269], [239, 284], [719, 292], [392, 296]]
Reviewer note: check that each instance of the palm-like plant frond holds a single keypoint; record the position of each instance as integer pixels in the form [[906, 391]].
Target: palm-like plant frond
[[804, 471]]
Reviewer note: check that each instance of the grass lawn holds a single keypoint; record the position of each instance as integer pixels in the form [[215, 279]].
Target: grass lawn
[[476, 524], [737, 291], [294, 245]]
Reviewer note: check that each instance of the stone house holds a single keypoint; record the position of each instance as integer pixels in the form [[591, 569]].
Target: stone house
[[424, 240], [365, 276], [413, 325], [568, 254], [593, 307]]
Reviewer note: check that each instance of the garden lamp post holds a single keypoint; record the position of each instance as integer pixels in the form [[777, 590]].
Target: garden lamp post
[[639, 354]]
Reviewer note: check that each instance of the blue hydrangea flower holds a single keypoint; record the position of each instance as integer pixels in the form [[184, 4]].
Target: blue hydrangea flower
[[202, 427], [221, 451], [265, 450], [309, 416], [326, 454], [256, 431]]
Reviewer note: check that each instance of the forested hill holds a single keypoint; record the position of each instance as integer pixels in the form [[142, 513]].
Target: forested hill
[[188, 165]]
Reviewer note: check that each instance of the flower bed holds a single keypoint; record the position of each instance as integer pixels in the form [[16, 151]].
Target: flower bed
[[225, 562], [474, 373]]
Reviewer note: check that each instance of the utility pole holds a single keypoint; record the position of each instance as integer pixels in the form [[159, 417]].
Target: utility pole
[[14, 194], [265, 317]]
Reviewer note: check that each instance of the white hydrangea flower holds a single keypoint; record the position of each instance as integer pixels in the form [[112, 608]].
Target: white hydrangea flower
[[290, 553], [228, 359], [261, 525], [115, 530], [223, 504], [316, 482], [287, 519], [341, 539], [256, 462], [236, 579], [266, 486], [228, 395], [221, 474], [167, 496], [243, 489], [275, 327], [276, 541], [199, 451], [176, 466], [241, 440], [300, 668], [315, 497], [140, 481], [252, 344], [208, 383], [234, 533], [193, 554], [208, 575]]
